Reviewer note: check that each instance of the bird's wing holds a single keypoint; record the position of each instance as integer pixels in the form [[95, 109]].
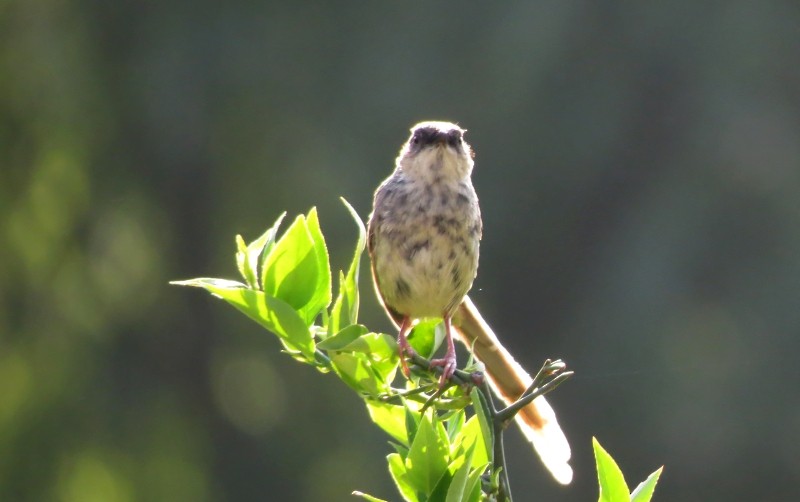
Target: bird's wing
[[395, 316]]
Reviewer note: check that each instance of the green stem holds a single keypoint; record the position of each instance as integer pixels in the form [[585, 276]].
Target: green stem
[[459, 377], [498, 449]]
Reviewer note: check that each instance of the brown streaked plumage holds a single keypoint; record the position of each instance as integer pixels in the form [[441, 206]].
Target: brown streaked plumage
[[424, 232]]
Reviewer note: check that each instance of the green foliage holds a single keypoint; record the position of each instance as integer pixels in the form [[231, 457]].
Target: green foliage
[[613, 487], [287, 285], [441, 452]]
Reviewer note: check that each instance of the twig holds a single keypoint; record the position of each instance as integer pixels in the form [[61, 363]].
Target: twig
[[498, 450], [551, 375], [459, 377]]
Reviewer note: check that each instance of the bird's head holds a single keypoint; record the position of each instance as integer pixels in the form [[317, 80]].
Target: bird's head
[[436, 151]]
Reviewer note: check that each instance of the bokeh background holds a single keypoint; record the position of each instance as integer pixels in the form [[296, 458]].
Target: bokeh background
[[638, 166]]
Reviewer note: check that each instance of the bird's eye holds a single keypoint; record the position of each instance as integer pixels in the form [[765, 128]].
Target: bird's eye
[[415, 139]]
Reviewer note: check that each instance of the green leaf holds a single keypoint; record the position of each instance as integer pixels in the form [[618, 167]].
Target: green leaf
[[355, 370], [389, 417], [471, 435], [399, 448], [345, 308], [296, 270], [454, 425], [322, 292], [381, 350], [377, 353], [343, 338], [473, 488], [442, 486], [644, 492], [269, 312], [439, 491], [400, 477], [423, 337], [272, 235], [412, 423], [368, 497], [337, 320], [250, 258], [287, 324], [427, 457], [209, 282], [612, 483], [378, 345], [482, 413], [440, 429], [458, 486], [248, 273]]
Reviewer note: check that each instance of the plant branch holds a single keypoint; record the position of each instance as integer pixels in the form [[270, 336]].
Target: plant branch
[[459, 377], [498, 449], [551, 375]]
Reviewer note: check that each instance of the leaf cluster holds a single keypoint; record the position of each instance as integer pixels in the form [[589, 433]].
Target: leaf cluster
[[286, 287], [443, 439], [613, 487]]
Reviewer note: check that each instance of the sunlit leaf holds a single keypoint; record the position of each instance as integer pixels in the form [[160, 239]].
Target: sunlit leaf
[[423, 338], [343, 338], [400, 477], [378, 351], [381, 350], [379, 345], [482, 415], [389, 417], [338, 319], [612, 483], [322, 291], [296, 269], [269, 245], [354, 369], [454, 425], [345, 308], [458, 485], [427, 457], [644, 492], [249, 257], [248, 273], [288, 324], [441, 487], [399, 448], [269, 312], [470, 436], [368, 497], [412, 423], [473, 487], [208, 283]]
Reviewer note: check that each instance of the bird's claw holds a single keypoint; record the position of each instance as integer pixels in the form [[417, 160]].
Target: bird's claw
[[448, 364]]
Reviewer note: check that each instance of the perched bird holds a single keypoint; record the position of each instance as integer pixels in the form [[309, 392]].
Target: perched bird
[[424, 233], [423, 241]]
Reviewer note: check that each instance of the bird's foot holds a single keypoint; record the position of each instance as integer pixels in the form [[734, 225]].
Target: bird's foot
[[448, 364]]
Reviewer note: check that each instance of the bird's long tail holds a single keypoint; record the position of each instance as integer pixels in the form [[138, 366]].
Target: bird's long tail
[[509, 380]]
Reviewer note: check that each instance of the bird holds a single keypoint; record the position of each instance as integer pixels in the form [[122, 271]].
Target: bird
[[424, 233], [423, 239]]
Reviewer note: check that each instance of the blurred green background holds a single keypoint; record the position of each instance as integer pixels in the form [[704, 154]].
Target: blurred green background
[[638, 166]]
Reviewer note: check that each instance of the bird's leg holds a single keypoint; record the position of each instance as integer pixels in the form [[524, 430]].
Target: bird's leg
[[403, 347], [448, 363]]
